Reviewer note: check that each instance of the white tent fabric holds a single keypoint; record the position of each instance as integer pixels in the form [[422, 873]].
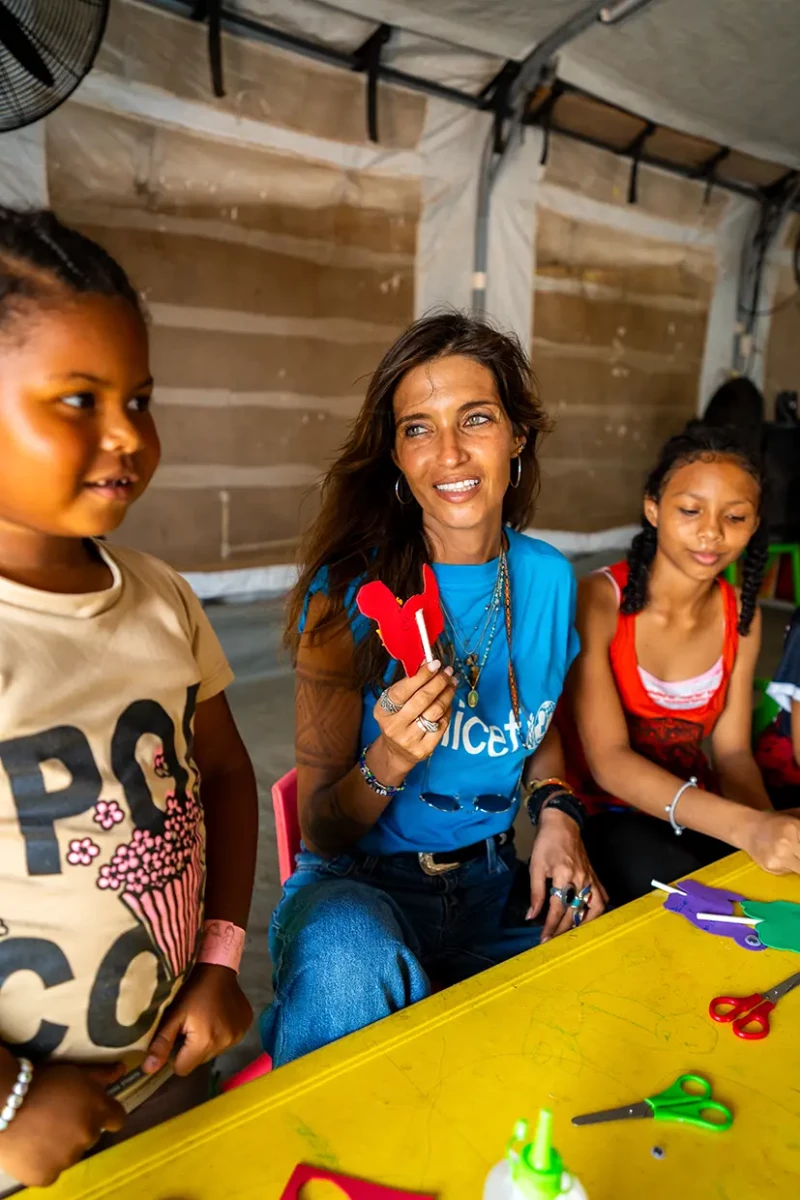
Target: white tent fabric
[[144, 149], [722, 69]]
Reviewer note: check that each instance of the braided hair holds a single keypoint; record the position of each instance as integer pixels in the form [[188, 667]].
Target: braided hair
[[39, 256], [703, 442]]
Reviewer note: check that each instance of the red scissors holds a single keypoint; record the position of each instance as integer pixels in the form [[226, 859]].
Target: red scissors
[[749, 1015]]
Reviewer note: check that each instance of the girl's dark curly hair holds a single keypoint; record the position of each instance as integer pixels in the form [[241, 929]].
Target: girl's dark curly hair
[[707, 443]]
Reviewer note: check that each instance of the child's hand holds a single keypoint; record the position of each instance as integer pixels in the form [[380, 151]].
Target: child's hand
[[63, 1115], [211, 1011]]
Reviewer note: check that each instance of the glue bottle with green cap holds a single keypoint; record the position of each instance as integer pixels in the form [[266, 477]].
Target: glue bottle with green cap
[[532, 1170]]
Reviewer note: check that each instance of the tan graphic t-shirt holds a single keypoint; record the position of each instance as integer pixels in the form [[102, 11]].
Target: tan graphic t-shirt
[[102, 854]]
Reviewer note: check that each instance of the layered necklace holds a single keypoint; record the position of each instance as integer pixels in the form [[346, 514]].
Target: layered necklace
[[471, 651]]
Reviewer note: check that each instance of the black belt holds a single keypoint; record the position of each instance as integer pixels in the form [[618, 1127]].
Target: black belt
[[442, 861]]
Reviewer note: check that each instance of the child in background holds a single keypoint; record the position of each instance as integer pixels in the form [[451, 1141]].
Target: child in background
[[668, 653], [778, 748], [112, 710]]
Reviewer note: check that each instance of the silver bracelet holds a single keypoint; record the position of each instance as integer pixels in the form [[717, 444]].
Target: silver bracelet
[[17, 1093], [670, 808]]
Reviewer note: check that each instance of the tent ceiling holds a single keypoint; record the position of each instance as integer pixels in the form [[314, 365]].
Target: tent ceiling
[[720, 70], [560, 108], [501, 28]]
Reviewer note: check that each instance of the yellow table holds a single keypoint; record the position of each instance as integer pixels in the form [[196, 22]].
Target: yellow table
[[426, 1099]]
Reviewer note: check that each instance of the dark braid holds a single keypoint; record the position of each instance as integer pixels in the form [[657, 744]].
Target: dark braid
[[640, 558], [755, 560], [38, 254], [704, 442]]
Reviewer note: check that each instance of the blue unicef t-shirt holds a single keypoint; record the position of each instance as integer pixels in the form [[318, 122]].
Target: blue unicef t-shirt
[[481, 752]]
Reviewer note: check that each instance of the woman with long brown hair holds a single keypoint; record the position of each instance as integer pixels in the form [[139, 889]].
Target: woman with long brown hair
[[408, 787]]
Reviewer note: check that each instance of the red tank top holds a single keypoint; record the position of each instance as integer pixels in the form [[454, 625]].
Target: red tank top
[[672, 739]]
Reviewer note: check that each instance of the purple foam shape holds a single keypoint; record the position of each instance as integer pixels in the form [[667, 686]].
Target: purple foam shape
[[700, 898]]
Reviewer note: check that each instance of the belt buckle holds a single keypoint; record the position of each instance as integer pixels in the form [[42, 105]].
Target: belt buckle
[[433, 868]]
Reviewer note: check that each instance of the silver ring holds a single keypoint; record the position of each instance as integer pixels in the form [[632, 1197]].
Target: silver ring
[[583, 898], [565, 894], [428, 726], [387, 703]]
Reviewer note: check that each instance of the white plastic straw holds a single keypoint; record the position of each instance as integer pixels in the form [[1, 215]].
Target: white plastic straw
[[664, 887], [729, 920], [423, 633]]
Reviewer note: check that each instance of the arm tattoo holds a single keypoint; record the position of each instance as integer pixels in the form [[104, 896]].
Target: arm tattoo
[[328, 716], [323, 735]]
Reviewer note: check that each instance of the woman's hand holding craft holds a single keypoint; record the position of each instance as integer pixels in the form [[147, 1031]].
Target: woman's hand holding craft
[[773, 841], [413, 715]]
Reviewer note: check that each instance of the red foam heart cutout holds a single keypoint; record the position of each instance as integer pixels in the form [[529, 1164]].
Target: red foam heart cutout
[[397, 623]]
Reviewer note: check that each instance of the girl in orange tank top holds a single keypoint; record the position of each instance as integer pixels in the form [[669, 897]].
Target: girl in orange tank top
[[643, 700]]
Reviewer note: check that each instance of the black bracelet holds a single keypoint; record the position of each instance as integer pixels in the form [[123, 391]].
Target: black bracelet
[[553, 795]]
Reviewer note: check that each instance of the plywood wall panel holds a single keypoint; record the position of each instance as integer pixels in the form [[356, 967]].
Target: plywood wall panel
[[261, 82], [619, 329], [186, 526], [584, 321], [248, 436], [101, 164], [203, 272], [600, 254], [594, 172], [252, 362], [578, 497], [273, 285]]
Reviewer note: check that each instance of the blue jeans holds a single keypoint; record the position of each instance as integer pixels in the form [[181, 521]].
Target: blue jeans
[[357, 938]]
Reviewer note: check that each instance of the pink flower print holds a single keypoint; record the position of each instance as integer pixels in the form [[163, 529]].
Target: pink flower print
[[108, 813], [82, 851], [160, 765]]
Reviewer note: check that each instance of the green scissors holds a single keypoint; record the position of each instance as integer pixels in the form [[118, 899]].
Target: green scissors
[[675, 1103]]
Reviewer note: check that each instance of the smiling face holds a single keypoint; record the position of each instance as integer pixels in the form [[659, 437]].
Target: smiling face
[[77, 440], [454, 443], [707, 514]]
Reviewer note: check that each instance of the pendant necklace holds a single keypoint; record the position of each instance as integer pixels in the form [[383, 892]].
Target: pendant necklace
[[471, 664]]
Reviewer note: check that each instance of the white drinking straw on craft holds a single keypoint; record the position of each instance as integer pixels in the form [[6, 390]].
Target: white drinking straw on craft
[[423, 633], [751, 921], [664, 887]]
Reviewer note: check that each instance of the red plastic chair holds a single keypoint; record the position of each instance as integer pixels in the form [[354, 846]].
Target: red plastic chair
[[287, 822], [287, 831]]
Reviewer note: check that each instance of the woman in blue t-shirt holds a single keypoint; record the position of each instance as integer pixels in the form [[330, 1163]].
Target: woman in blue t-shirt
[[408, 787]]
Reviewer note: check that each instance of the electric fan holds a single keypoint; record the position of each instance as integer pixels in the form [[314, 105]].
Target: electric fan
[[46, 48]]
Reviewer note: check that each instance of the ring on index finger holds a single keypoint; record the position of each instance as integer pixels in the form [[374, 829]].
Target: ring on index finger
[[387, 703]]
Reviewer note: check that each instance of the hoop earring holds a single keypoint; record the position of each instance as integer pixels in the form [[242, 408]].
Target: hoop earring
[[400, 499], [516, 459]]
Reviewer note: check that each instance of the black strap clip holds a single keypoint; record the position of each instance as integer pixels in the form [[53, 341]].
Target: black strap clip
[[211, 10], [367, 58]]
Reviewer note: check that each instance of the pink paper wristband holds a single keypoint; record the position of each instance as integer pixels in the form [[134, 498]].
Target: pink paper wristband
[[221, 944]]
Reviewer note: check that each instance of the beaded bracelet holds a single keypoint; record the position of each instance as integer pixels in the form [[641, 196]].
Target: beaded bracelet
[[381, 789], [17, 1093], [540, 783]]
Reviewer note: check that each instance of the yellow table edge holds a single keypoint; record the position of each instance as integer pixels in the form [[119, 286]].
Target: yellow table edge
[[147, 1151]]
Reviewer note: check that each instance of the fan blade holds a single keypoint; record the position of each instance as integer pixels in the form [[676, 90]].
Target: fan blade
[[18, 44]]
